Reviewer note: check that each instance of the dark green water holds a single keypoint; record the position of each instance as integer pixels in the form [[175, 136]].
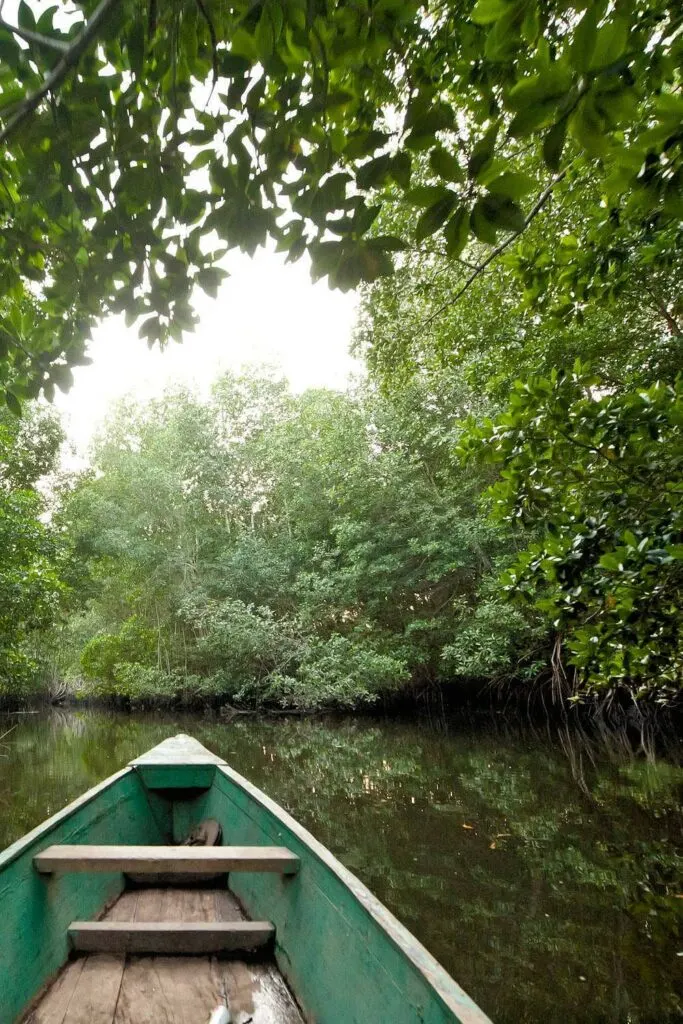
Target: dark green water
[[540, 870]]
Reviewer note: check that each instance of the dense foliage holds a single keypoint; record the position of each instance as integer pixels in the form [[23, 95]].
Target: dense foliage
[[31, 583], [587, 440], [605, 476], [505, 179], [260, 548], [178, 130]]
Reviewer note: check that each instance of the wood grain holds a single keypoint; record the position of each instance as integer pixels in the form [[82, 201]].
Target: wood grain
[[174, 990], [227, 907], [169, 937], [255, 992], [143, 859], [181, 749], [97, 990], [151, 905], [123, 909], [54, 1004]]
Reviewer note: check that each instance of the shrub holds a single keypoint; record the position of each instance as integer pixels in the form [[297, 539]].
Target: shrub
[[134, 643], [337, 673]]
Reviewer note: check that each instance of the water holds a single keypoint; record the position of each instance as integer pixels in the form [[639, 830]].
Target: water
[[539, 869]]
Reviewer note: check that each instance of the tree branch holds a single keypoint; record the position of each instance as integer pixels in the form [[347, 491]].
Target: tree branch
[[661, 307], [61, 69], [214, 41], [35, 37], [533, 212]]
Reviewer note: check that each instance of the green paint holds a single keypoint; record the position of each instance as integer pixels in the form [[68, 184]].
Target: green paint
[[345, 956], [186, 813], [176, 776], [36, 910]]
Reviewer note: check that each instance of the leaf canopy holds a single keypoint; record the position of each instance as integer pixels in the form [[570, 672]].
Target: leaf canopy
[[139, 143]]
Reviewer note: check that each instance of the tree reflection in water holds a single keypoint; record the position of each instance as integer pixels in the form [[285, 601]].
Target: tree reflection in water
[[540, 869]]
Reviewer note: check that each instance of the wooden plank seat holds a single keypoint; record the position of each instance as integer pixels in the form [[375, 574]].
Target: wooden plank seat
[[186, 938], [170, 859], [112, 988]]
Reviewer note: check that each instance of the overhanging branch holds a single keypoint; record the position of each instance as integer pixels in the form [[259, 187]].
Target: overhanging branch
[[35, 37], [55, 78], [481, 267]]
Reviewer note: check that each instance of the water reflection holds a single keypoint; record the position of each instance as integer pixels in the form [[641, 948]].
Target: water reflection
[[546, 883]]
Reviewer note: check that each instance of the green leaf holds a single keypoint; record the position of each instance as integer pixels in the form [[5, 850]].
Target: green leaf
[[62, 377], [552, 84], [330, 100], [135, 44], [11, 96], [325, 258], [610, 43], [264, 38], [485, 12], [375, 263], [553, 144], [243, 44], [330, 196], [435, 216], [232, 65], [531, 24], [401, 167], [445, 164], [44, 25], [149, 330], [210, 278], [362, 144], [10, 54], [533, 117], [588, 127], [388, 243], [512, 184], [503, 213], [583, 44], [483, 152], [13, 403], [427, 195], [481, 225], [503, 38], [425, 126], [204, 157], [25, 17], [374, 172], [457, 232]]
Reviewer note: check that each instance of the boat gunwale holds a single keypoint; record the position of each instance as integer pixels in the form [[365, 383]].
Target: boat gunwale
[[439, 981], [21, 845], [435, 975]]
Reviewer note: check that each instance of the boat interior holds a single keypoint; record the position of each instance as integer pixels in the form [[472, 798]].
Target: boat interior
[[102, 984], [176, 892], [175, 945]]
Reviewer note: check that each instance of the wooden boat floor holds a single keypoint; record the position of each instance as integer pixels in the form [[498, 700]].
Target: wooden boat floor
[[108, 989]]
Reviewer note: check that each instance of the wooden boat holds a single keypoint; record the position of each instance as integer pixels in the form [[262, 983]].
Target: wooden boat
[[268, 928]]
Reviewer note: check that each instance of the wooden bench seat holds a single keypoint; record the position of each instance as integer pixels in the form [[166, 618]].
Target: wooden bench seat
[[187, 938], [169, 859]]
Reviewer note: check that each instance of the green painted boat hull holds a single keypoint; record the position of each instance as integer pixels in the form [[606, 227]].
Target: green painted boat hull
[[344, 955]]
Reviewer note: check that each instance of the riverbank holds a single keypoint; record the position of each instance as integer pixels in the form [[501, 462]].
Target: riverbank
[[469, 699]]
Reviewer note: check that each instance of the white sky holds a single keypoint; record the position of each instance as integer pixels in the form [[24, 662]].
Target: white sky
[[267, 313]]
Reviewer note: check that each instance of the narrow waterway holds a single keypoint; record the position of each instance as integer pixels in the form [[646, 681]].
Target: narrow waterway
[[541, 868]]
